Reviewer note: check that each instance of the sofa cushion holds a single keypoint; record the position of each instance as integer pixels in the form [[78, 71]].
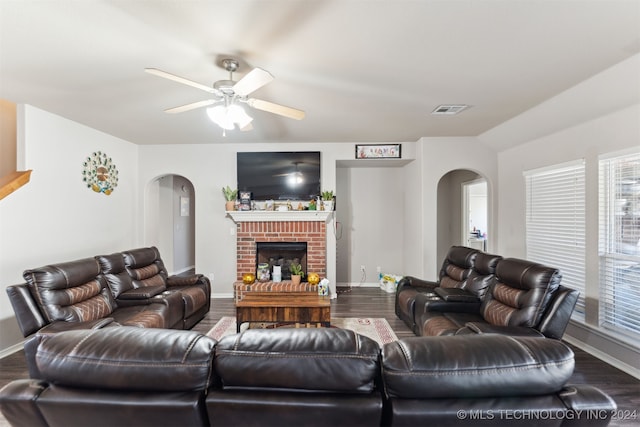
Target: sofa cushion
[[482, 275], [520, 293], [483, 366], [456, 266], [115, 272], [154, 315], [126, 358], [320, 359], [73, 291], [145, 267]]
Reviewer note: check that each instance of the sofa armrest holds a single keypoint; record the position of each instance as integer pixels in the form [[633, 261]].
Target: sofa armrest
[[416, 283], [143, 293], [61, 326], [190, 280], [484, 366], [18, 402], [28, 315], [434, 303], [456, 295], [589, 404], [487, 328]]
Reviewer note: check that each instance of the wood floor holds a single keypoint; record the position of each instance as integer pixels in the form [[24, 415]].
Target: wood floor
[[372, 302]]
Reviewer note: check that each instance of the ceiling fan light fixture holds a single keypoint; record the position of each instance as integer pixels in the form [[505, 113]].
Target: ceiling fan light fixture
[[227, 117], [238, 115]]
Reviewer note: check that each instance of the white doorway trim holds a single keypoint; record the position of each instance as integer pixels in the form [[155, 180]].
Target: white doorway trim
[[475, 199]]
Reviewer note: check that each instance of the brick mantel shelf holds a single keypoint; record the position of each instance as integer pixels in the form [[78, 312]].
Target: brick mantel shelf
[[268, 216]]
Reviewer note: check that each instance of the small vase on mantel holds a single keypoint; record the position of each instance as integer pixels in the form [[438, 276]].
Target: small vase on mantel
[[230, 205], [296, 279]]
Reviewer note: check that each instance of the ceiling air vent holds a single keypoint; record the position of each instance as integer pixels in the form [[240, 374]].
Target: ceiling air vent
[[449, 109]]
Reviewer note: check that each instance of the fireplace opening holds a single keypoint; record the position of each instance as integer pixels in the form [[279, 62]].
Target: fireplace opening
[[283, 254]]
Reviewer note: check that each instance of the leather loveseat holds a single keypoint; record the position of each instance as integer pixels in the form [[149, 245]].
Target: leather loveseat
[[314, 377], [130, 288], [492, 295]]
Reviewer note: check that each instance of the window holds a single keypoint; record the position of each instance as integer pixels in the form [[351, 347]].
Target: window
[[555, 222], [619, 245]]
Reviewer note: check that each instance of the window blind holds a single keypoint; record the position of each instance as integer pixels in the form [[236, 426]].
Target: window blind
[[619, 244], [555, 222]]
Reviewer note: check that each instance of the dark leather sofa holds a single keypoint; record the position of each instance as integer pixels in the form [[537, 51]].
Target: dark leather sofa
[[129, 288], [130, 376], [480, 293]]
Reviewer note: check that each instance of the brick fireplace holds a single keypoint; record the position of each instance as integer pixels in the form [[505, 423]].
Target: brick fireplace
[[308, 227]]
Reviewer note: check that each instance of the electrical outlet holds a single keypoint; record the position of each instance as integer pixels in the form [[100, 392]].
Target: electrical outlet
[[362, 268], [378, 269]]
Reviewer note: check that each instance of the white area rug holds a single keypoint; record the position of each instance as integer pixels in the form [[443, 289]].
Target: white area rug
[[378, 329]]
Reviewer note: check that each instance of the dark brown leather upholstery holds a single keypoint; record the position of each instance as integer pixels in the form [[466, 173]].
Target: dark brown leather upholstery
[[71, 291], [312, 377], [297, 377], [147, 271], [522, 367], [492, 380], [524, 299], [97, 292], [456, 267], [118, 376], [520, 294], [467, 299]]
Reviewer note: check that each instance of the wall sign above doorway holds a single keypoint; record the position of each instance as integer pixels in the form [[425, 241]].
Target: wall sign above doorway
[[378, 151]]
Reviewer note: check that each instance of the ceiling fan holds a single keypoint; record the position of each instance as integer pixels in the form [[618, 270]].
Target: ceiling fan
[[228, 94]]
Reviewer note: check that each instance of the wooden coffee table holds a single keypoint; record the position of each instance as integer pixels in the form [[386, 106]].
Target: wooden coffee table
[[285, 307]]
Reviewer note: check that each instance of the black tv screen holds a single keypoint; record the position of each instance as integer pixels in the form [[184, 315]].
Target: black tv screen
[[279, 175]]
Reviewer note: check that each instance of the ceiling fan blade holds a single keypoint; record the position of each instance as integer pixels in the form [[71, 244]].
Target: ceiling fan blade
[[281, 110], [253, 81], [247, 128], [179, 79], [191, 106]]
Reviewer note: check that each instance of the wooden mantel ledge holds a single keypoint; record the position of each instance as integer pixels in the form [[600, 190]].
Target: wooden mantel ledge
[[11, 182]]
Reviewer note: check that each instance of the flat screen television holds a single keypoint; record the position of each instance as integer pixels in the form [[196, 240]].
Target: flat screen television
[[282, 175]]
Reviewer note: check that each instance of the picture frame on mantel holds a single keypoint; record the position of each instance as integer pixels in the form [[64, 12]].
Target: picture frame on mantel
[[378, 151]]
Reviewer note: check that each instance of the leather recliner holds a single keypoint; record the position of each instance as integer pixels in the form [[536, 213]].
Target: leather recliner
[[465, 298], [130, 288], [524, 298], [456, 267], [146, 268]]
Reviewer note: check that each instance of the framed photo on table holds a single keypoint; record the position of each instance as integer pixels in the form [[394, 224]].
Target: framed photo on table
[[378, 151]]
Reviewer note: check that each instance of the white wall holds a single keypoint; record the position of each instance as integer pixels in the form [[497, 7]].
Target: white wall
[[611, 131], [438, 157], [370, 212], [55, 217], [209, 168]]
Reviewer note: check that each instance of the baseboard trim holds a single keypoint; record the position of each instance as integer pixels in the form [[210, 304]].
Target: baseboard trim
[[10, 350], [628, 369], [357, 285], [221, 295], [593, 341]]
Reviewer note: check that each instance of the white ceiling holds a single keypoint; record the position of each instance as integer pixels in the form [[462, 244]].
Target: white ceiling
[[363, 70]]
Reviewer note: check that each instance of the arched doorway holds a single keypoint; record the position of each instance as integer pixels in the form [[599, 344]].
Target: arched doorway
[[170, 221], [453, 204]]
